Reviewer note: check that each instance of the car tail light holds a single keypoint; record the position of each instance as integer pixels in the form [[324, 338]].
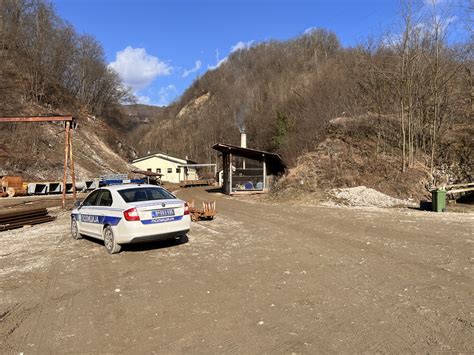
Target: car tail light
[[186, 209], [131, 214]]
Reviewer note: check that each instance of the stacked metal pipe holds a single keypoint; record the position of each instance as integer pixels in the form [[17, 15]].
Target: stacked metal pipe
[[24, 217]]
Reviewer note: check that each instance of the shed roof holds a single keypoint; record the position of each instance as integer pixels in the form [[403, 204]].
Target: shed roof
[[275, 162]]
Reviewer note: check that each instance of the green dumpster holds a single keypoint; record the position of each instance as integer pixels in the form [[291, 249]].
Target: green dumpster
[[438, 200]]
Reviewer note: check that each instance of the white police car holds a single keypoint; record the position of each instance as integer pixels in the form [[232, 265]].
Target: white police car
[[132, 213]]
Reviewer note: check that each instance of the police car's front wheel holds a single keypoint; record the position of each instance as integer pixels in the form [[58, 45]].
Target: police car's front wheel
[[109, 241], [74, 230]]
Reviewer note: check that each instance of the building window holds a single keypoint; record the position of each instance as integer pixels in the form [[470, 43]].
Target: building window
[[158, 170], [149, 169], [170, 170], [178, 170]]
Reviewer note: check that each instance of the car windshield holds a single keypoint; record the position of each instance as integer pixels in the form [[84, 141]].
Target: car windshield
[[145, 194]]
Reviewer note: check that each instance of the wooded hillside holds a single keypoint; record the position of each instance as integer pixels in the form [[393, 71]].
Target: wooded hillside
[[46, 68], [44, 61], [408, 94], [284, 93]]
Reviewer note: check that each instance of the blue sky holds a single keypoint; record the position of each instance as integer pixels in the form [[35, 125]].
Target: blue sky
[[160, 47]]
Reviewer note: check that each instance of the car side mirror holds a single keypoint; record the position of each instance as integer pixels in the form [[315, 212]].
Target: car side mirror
[[77, 204]]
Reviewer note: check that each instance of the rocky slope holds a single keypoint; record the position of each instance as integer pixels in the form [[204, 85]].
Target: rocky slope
[[352, 155], [36, 150]]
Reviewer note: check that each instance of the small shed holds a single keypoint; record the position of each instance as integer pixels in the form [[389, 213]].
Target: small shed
[[247, 170]]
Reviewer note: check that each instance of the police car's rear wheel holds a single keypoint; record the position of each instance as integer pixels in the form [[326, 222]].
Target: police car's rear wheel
[[74, 230], [109, 241]]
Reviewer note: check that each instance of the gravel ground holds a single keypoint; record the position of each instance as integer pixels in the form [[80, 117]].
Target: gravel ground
[[261, 277], [362, 196]]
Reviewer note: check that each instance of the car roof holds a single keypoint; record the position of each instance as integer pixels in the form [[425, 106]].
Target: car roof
[[128, 186]]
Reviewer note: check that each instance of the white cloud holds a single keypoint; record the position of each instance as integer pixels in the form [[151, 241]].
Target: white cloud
[[238, 46], [218, 64], [435, 23], [241, 45], [145, 100], [446, 22], [391, 40], [309, 30], [197, 66], [137, 68], [421, 30], [166, 95]]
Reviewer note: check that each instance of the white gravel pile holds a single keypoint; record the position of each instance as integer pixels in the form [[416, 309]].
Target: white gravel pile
[[362, 196]]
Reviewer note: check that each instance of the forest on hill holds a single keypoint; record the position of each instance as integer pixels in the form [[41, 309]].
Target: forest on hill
[[394, 107], [46, 62], [409, 94], [47, 68]]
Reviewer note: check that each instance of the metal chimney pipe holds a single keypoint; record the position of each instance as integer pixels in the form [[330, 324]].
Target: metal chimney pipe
[[243, 144], [243, 140]]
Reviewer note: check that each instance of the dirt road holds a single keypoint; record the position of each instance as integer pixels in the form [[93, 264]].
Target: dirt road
[[260, 278]]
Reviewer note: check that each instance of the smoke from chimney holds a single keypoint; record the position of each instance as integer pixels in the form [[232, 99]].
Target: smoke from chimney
[[241, 123], [240, 118]]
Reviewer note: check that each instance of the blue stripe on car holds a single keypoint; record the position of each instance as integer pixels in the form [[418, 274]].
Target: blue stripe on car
[[113, 221]]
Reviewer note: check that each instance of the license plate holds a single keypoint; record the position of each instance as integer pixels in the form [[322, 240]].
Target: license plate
[[166, 212]]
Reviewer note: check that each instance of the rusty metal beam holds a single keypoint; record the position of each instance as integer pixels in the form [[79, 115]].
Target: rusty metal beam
[[37, 119], [66, 156], [71, 166]]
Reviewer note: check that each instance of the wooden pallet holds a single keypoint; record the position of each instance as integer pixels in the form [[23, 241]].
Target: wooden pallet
[[208, 211]]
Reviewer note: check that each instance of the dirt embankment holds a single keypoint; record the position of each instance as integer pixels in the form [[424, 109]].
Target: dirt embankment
[[36, 150], [364, 151]]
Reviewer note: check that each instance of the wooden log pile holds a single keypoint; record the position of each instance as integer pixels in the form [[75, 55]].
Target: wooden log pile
[[12, 186], [24, 217]]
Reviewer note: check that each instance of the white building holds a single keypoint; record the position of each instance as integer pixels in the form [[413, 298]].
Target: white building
[[172, 168]]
